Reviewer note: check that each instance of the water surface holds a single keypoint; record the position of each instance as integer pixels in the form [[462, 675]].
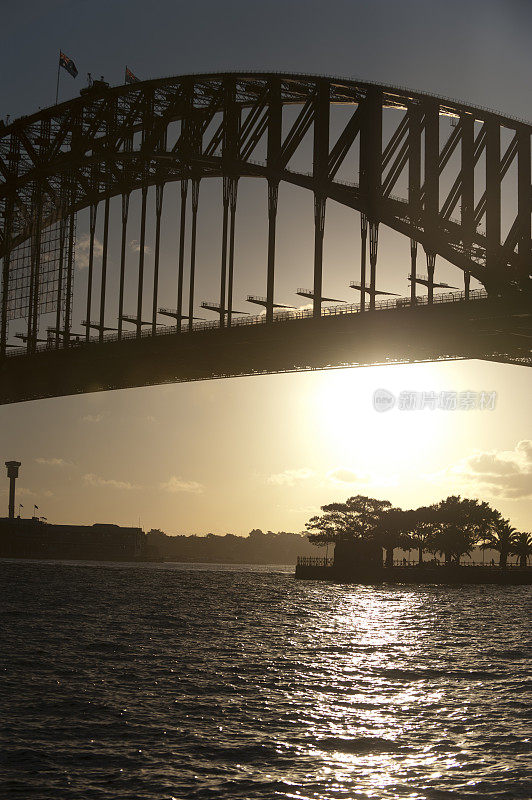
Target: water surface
[[187, 681]]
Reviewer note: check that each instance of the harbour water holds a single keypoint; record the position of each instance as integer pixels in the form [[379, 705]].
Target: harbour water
[[178, 681]]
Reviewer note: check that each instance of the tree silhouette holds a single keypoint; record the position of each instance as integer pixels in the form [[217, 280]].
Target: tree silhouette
[[257, 547], [459, 525], [394, 526], [420, 529], [356, 519], [522, 547], [500, 537]]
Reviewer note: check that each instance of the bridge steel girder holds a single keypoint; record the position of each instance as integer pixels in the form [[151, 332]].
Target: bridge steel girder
[[59, 295], [105, 247], [181, 249], [111, 142], [320, 171], [125, 216], [273, 156], [192, 276], [524, 205], [159, 190], [93, 210], [423, 333]]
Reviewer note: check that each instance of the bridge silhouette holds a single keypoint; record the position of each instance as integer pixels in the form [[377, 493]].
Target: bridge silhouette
[[452, 179]]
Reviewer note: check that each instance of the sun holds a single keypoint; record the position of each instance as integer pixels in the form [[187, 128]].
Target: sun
[[351, 432]]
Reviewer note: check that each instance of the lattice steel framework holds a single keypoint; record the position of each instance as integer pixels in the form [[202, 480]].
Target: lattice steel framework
[[39, 277], [112, 141]]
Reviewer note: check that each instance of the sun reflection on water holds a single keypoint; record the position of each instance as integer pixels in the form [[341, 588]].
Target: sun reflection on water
[[379, 710]]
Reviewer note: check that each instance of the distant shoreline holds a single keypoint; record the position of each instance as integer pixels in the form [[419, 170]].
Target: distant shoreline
[[141, 562]]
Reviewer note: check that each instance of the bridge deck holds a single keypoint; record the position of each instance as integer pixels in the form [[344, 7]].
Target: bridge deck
[[280, 316], [483, 327]]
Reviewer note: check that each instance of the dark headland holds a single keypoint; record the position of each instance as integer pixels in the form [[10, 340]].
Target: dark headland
[[367, 533], [364, 564]]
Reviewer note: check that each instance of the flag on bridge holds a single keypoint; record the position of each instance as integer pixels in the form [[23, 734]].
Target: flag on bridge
[[68, 64], [130, 76]]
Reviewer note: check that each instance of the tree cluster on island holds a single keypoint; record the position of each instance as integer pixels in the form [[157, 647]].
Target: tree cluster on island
[[452, 528]]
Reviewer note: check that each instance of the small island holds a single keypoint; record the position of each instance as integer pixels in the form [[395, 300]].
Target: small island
[[365, 533]]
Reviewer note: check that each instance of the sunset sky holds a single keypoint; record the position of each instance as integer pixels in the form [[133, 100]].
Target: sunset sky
[[265, 452]]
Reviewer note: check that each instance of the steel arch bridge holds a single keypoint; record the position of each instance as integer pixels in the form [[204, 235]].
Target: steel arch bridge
[[116, 141]]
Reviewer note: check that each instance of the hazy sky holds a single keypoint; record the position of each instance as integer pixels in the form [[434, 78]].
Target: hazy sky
[[231, 455]]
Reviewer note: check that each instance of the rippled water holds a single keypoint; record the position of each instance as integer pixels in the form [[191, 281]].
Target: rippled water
[[170, 681]]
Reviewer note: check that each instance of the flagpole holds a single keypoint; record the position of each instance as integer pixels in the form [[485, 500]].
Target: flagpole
[[58, 70]]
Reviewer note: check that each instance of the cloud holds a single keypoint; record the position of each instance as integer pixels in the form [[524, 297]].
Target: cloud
[[90, 479], [341, 475], [92, 418], [174, 485], [291, 476], [338, 476], [134, 245], [524, 448], [505, 473], [53, 462], [491, 464], [23, 492], [82, 250]]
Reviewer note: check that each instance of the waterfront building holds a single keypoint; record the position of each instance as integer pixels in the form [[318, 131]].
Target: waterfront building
[[34, 538]]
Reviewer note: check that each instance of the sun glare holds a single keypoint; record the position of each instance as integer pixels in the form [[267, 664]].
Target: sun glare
[[381, 443]]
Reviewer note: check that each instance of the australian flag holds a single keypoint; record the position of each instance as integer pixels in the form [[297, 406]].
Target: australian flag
[[68, 64], [130, 77]]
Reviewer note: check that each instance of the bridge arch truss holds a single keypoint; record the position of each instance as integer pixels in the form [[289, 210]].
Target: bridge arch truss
[[112, 141]]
